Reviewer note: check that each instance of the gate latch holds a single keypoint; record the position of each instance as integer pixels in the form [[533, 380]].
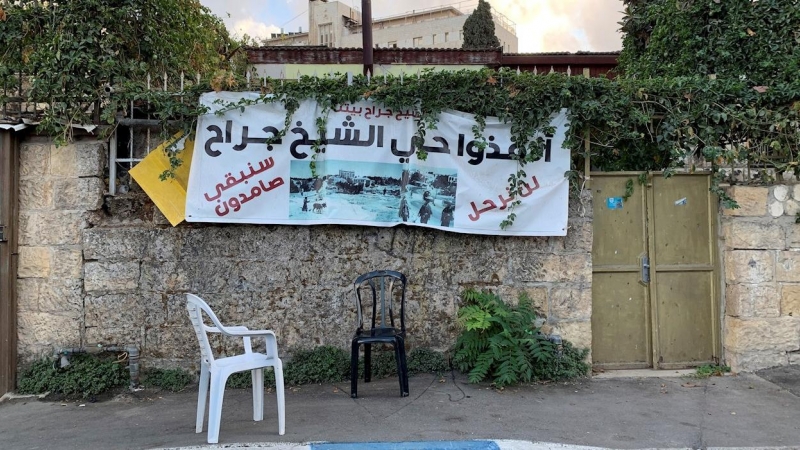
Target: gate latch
[[3, 233], [645, 269]]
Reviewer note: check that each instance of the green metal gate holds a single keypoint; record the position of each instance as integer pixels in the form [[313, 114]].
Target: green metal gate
[[655, 293]]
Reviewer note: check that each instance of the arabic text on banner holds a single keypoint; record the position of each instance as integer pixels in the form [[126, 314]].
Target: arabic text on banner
[[368, 173]]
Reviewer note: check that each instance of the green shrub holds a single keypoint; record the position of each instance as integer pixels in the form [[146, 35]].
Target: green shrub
[[86, 375], [328, 364], [500, 342], [425, 360], [571, 364], [174, 380], [324, 364]]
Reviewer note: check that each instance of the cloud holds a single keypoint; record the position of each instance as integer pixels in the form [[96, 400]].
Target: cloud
[[542, 25], [256, 18], [252, 28]]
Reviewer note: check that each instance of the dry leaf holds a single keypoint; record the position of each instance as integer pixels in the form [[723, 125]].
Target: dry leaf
[[690, 385], [751, 32], [3, 16], [492, 80]]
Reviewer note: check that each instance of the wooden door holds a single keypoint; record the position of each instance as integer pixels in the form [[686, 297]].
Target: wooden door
[[9, 182]]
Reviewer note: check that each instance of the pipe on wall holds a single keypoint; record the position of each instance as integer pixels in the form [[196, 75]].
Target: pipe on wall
[[132, 351]]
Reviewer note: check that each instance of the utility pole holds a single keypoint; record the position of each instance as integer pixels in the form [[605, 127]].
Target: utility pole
[[366, 31]]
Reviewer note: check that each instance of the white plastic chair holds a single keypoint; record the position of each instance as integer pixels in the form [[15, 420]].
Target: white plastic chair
[[219, 369]]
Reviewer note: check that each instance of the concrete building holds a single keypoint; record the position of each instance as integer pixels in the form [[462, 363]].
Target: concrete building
[[334, 24]]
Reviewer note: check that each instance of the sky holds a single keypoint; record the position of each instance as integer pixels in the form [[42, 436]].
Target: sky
[[542, 25]]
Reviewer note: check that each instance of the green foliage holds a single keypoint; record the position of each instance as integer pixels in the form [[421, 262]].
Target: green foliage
[[478, 29], [571, 364], [425, 360], [67, 52], [499, 342], [328, 364], [87, 375], [711, 370], [754, 40], [324, 364], [664, 111], [174, 380]]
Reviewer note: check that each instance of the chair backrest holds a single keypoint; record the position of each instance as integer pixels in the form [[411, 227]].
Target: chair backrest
[[196, 307], [386, 291]]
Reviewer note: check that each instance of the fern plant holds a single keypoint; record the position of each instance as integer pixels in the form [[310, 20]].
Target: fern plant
[[499, 341]]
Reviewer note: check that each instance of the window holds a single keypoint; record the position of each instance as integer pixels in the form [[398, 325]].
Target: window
[[326, 34], [418, 42], [446, 36], [392, 44]]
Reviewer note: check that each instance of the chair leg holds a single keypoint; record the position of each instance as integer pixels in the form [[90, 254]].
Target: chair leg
[[354, 370], [403, 366], [218, 381], [367, 363], [202, 396], [398, 362], [280, 393], [258, 394]]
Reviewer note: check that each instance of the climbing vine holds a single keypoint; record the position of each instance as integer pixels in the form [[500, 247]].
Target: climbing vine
[[651, 119], [633, 125]]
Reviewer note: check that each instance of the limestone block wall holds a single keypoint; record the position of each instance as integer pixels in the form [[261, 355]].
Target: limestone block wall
[[59, 188], [111, 270], [761, 245]]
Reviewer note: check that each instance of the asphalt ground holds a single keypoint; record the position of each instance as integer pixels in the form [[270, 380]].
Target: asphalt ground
[[620, 412]]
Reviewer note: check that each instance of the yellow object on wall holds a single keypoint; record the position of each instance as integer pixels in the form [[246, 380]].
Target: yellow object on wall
[[168, 195]]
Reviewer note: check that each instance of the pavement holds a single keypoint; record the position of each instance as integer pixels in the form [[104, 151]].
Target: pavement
[[442, 413]]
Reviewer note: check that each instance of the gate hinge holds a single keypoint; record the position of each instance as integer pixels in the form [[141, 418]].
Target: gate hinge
[[3, 233]]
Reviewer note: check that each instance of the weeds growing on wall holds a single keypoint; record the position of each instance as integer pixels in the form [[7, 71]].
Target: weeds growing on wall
[[502, 344], [174, 380], [85, 376]]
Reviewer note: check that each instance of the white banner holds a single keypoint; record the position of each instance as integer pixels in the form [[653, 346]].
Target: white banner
[[368, 173]]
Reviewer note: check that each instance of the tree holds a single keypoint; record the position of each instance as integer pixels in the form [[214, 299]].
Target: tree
[[479, 29], [69, 54]]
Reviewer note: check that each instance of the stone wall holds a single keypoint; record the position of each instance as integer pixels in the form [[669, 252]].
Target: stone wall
[[761, 245], [59, 188], [111, 270]]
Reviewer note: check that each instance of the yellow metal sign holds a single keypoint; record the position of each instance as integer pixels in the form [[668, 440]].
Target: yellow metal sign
[[168, 195]]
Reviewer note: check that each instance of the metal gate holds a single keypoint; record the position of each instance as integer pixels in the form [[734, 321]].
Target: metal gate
[[9, 182], [655, 280]]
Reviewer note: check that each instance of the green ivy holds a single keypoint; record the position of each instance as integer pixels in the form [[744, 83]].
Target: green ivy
[[174, 380], [662, 111], [86, 375], [328, 364], [757, 41], [65, 54]]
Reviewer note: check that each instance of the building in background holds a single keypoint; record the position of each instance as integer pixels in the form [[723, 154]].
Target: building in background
[[336, 25]]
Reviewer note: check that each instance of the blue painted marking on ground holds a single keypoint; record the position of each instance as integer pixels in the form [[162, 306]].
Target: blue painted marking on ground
[[426, 445]]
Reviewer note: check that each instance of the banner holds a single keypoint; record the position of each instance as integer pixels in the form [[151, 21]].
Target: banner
[[368, 173]]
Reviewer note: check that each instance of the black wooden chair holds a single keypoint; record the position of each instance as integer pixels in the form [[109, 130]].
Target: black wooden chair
[[385, 291]]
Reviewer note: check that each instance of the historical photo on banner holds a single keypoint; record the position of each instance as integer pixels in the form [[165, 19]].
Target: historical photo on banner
[[367, 172]]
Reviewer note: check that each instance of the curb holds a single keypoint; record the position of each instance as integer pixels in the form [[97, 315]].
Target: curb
[[500, 444]]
